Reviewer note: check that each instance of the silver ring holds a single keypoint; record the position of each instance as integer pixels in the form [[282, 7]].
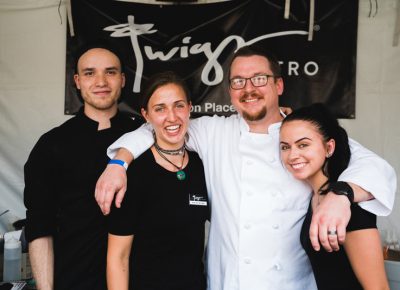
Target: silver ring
[[332, 232]]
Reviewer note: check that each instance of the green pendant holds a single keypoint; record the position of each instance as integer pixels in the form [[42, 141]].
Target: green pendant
[[181, 175]]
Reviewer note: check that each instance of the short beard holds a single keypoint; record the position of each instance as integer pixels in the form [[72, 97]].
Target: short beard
[[255, 117]]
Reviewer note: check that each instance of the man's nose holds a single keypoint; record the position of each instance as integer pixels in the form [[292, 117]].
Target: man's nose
[[248, 87], [101, 80]]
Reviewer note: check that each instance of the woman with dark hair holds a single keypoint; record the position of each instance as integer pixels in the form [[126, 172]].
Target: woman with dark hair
[[315, 148], [156, 238]]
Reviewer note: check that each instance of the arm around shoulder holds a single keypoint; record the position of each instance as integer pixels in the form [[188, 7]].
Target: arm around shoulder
[[112, 181], [203, 132], [135, 142], [375, 176]]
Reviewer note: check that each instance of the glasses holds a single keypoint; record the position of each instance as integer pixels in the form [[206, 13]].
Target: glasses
[[257, 81]]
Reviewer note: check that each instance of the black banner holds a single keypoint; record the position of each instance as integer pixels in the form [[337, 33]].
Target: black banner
[[197, 41]]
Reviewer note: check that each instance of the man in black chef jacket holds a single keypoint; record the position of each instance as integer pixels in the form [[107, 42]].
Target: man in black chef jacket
[[65, 228]]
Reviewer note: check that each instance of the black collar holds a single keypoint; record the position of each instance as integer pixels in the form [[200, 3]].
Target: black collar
[[117, 120]]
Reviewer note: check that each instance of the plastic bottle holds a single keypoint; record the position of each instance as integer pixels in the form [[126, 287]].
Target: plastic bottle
[[12, 260]]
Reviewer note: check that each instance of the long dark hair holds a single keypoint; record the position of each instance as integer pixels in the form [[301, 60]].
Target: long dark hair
[[328, 126]]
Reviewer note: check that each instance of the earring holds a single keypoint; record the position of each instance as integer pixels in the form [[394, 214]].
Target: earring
[[328, 155]]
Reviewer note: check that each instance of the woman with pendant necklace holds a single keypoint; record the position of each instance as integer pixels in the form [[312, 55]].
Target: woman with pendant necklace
[[315, 148], [156, 238]]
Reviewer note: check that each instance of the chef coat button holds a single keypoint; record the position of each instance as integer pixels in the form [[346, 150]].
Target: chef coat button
[[249, 193], [247, 226], [275, 226], [249, 162], [274, 194], [272, 159], [277, 267], [247, 260]]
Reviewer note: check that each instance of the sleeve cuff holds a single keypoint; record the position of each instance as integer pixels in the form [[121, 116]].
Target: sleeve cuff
[[136, 142]]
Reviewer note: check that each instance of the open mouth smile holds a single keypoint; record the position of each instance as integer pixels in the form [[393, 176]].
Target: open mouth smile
[[298, 165], [173, 128], [248, 100]]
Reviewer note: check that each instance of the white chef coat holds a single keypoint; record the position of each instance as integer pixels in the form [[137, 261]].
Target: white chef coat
[[257, 206]]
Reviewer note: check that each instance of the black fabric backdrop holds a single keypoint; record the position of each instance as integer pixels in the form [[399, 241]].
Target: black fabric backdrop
[[198, 40]]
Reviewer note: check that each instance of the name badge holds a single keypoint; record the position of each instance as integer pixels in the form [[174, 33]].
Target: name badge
[[197, 200]]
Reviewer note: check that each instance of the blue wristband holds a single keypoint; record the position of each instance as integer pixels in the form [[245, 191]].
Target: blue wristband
[[119, 162]]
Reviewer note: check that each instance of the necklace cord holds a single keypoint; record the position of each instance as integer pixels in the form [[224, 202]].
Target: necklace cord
[[178, 151], [169, 161]]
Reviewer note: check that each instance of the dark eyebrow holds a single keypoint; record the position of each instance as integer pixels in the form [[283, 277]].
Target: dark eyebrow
[[158, 105], [112, 68], [301, 139], [176, 102], [88, 69], [254, 75], [179, 101]]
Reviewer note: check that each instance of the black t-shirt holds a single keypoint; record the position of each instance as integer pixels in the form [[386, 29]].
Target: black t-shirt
[[60, 177], [166, 217], [333, 270]]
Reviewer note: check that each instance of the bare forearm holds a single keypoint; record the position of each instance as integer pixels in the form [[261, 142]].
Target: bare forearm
[[42, 262], [118, 275], [360, 194], [118, 253], [124, 154], [364, 251], [112, 182]]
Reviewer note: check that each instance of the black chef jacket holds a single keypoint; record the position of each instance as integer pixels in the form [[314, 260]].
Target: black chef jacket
[[60, 178]]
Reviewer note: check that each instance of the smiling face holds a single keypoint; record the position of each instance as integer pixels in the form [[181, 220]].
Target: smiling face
[[304, 151], [168, 111], [257, 105], [99, 79]]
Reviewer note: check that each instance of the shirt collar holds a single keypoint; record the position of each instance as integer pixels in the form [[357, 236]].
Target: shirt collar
[[91, 124], [244, 127]]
